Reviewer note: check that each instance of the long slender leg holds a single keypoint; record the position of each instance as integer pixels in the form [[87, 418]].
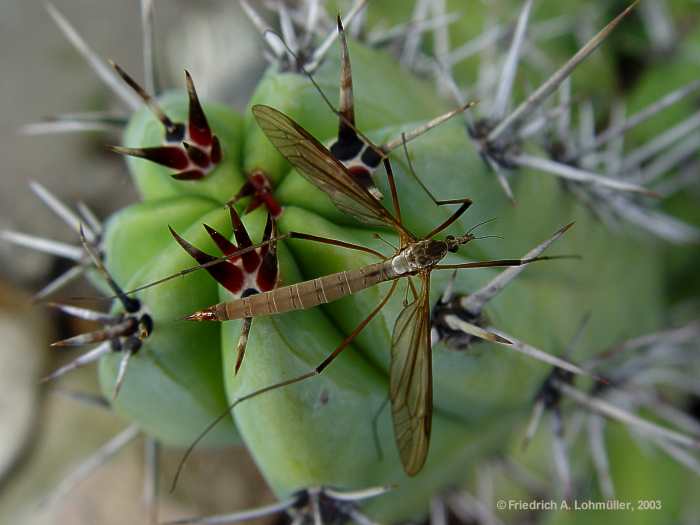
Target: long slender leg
[[413, 173], [476, 301], [501, 262], [237, 253], [452, 218], [308, 375], [375, 429], [413, 288], [392, 187], [335, 242]]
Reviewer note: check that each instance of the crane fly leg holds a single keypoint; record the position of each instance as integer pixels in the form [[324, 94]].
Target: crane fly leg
[[237, 253], [308, 375], [501, 262], [334, 242], [375, 429], [452, 218], [392, 187], [415, 176], [412, 288], [328, 360]]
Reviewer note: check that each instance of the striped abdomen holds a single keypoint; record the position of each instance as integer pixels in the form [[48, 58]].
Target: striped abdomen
[[305, 294]]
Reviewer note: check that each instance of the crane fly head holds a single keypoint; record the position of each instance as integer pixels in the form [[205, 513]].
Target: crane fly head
[[453, 243]]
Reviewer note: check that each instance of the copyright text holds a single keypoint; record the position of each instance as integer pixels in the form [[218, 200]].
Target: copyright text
[[577, 505]]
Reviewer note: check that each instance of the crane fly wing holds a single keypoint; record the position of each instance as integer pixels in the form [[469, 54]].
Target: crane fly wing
[[411, 380], [322, 169]]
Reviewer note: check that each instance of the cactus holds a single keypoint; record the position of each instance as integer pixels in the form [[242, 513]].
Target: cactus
[[210, 179]]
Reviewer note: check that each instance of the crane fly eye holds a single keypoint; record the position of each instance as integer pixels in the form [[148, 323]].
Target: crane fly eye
[[451, 244]]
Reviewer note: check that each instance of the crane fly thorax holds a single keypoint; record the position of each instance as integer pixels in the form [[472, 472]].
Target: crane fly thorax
[[419, 255]]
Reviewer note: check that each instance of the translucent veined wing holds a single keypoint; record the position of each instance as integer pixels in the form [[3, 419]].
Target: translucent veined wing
[[323, 170], [411, 380]]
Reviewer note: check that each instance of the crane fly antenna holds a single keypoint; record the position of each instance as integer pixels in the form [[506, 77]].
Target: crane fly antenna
[[487, 237], [492, 219]]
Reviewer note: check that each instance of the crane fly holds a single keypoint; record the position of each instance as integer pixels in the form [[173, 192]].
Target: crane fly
[[410, 369]]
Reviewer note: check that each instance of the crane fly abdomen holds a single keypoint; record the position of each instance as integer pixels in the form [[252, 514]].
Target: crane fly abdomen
[[307, 294], [299, 296]]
